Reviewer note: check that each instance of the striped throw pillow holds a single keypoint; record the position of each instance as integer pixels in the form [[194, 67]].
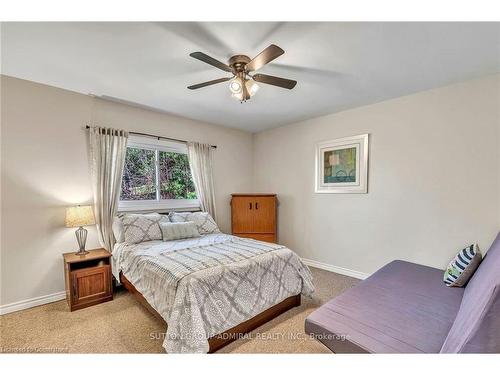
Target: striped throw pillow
[[461, 268]]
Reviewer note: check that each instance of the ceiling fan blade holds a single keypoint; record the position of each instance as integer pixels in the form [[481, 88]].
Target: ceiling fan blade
[[215, 81], [266, 56], [275, 81], [210, 60]]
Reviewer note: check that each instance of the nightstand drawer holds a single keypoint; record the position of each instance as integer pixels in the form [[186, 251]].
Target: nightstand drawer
[[90, 285]]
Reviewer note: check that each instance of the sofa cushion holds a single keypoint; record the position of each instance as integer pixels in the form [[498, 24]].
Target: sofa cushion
[[401, 308], [477, 325], [462, 267]]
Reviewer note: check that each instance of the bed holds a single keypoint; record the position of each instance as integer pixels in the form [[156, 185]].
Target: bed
[[212, 289]]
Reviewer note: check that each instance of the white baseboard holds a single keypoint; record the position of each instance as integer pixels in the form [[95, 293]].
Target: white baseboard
[[336, 269], [32, 302], [37, 301]]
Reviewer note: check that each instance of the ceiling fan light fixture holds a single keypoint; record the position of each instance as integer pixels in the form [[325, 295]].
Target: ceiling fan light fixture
[[235, 85], [238, 96], [252, 87], [242, 85]]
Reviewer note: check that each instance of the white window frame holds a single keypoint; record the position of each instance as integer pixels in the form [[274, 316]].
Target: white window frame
[[157, 145]]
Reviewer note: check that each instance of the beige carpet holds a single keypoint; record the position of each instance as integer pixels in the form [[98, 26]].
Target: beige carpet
[[124, 326]]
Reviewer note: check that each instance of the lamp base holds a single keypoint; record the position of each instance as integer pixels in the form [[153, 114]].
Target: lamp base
[[81, 237], [84, 252]]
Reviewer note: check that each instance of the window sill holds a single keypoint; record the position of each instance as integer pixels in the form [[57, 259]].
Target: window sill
[[165, 205]]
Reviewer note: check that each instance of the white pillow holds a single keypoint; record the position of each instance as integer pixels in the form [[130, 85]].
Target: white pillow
[[179, 231], [118, 230], [204, 222], [142, 227]]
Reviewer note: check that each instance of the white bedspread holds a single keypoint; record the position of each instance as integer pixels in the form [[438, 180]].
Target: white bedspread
[[206, 285]]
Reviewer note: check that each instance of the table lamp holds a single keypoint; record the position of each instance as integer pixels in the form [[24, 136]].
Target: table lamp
[[80, 216]]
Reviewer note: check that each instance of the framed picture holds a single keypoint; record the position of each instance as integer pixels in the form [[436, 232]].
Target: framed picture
[[342, 165]]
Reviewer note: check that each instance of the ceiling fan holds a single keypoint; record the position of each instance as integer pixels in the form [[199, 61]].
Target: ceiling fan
[[242, 84]]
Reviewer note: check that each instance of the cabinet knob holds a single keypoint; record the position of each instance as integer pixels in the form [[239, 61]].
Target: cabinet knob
[[256, 205], [250, 205]]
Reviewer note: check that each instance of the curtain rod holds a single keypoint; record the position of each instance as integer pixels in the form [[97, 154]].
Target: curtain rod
[[158, 137]]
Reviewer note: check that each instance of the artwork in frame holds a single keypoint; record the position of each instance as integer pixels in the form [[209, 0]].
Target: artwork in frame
[[342, 165]]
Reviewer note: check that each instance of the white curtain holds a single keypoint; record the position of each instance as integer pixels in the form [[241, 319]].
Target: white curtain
[[200, 161], [107, 158]]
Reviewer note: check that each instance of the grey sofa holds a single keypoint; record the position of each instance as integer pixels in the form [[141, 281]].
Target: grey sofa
[[406, 308]]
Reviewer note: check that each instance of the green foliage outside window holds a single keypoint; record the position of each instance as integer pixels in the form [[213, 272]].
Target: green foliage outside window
[[139, 175], [175, 176]]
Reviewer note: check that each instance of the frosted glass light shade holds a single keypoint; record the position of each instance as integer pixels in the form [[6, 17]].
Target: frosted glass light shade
[[236, 86], [252, 87], [238, 96], [79, 216]]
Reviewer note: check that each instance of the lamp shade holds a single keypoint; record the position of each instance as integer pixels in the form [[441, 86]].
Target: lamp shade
[[79, 216]]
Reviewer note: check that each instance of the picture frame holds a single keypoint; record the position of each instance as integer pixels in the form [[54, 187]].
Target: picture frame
[[342, 165]]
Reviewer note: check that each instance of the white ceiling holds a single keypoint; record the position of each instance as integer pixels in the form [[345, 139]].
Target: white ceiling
[[337, 65]]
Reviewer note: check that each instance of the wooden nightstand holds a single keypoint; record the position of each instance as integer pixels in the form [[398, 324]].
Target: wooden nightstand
[[88, 278]]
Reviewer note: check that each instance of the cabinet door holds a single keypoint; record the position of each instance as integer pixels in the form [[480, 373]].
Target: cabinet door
[[242, 211], [90, 284], [265, 215], [267, 237]]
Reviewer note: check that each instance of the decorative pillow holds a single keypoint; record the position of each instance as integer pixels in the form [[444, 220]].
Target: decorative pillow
[[461, 268], [142, 227], [179, 231], [204, 222]]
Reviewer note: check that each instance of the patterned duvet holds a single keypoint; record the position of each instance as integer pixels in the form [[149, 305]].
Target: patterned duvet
[[206, 285]]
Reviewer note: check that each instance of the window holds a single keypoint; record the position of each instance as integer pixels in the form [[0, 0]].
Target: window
[[156, 175], [175, 176], [139, 175]]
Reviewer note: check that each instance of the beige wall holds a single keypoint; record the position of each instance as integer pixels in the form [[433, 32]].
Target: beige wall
[[434, 179], [45, 169]]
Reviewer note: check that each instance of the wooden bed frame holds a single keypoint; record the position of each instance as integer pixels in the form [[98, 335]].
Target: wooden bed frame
[[218, 341]]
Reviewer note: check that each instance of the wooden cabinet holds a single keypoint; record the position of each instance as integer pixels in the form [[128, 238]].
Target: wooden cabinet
[[254, 216], [88, 278]]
